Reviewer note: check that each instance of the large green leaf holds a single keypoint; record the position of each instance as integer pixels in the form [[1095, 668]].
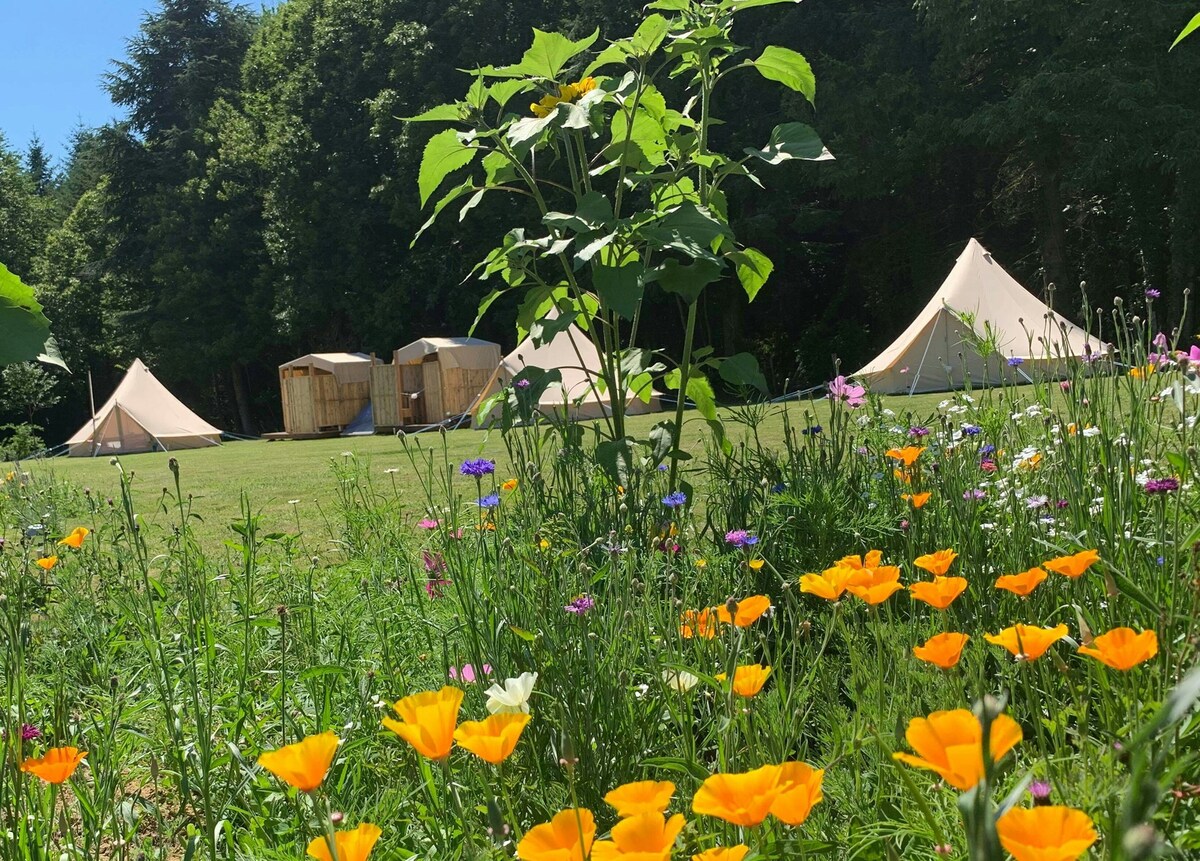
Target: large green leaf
[[444, 154], [619, 287], [643, 145], [1191, 27], [24, 329], [687, 280], [742, 370], [688, 228], [789, 68], [546, 57], [442, 113], [739, 5], [753, 269], [789, 141]]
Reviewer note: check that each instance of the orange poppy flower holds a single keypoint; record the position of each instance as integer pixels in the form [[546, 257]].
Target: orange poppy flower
[[55, 765], [748, 611], [951, 744], [303, 764], [801, 792], [942, 650], [511, 484], [748, 679], [907, 455], [723, 853], [47, 562], [937, 563], [1021, 584], [75, 539], [831, 583], [566, 837], [917, 500], [743, 798], [939, 593], [494, 739], [876, 585], [1122, 648], [1027, 642], [427, 721], [645, 837], [903, 475], [641, 796], [698, 623], [1073, 566], [1047, 833], [353, 845], [873, 559]]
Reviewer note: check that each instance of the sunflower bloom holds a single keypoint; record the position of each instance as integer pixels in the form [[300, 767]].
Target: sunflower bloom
[[951, 744], [645, 837], [939, 593], [876, 585], [698, 623], [916, 500], [748, 679], [566, 93], [1021, 584], [566, 837], [56, 765], [937, 563], [75, 539], [353, 845], [1122, 648], [47, 562], [1027, 642], [642, 796], [1073, 566], [801, 792], [831, 583], [749, 610], [427, 721], [739, 798], [942, 650], [723, 853], [494, 739], [1045, 833], [303, 764]]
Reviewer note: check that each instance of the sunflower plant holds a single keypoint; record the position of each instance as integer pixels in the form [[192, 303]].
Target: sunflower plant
[[629, 197]]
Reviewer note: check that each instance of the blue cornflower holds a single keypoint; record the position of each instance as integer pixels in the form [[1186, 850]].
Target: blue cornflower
[[1014, 361], [489, 501], [779, 488], [812, 431], [972, 430], [987, 448], [662, 467], [477, 467], [675, 500]]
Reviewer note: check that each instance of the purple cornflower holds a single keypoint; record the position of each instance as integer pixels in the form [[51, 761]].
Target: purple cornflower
[[1151, 293], [675, 499], [29, 732], [1039, 791], [975, 494], [580, 604], [489, 501], [972, 430], [522, 383], [477, 467], [740, 538], [1037, 502], [1161, 485], [1062, 503], [1014, 361], [918, 432]]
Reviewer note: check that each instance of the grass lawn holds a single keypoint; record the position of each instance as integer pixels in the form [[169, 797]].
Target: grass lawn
[[272, 473]]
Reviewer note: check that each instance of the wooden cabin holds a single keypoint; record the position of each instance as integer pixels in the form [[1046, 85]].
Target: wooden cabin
[[430, 380], [323, 392]]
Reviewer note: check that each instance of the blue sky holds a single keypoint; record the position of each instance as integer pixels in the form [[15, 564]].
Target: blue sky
[[54, 53]]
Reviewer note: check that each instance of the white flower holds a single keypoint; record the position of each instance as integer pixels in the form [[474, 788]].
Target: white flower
[[681, 681], [513, 698], [1091, 431], [391, 470]]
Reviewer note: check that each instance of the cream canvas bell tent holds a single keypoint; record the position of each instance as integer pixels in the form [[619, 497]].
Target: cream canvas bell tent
[[979, 309], [142, 415], [569, 352]]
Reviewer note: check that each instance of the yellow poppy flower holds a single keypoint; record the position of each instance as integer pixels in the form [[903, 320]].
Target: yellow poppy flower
[[566, 837], [56, 765], [917, 500], [511, 484], [951, 744], [907, 455], [877, 585], [723, 853], [831, 583], [739, 798], [303, 764], [494, 739], [353, 845], [1046, 833], [748, 679], [698, 623], [427, 721], [642, 796], [1122, 648], [1027, 642], [47, 562]]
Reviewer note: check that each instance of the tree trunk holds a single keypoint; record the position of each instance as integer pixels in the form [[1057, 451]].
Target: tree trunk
[[238, 376], [1053, 236]]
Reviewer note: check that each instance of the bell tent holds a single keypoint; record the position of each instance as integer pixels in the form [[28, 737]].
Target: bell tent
[[142, 415], [569, 352], [981, 326]]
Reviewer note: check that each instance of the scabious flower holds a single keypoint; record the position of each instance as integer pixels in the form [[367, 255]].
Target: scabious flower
[[353, 845], [841, 389], [1046, 833], [975, 494], [675, 499], [918, 432], [477, 467], [513, 697], [950, 743], [942, 650], [643, 796], [740, 538], [56, 765], [522, 383], [303, 764], [1039, 791], [580, 604], [1161, 485], [1151, 293], [1122, 648]]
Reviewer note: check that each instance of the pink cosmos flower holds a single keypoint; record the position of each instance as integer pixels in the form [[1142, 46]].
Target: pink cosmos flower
[[428, 523], [467, 673], [840, 389]]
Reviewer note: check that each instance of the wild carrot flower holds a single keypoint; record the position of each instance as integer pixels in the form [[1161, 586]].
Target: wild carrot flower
[[494, 738], [303, 764], [942, 650], [917, 500], [698, 623], [937, 563], [723, 853], [801, 784], [567, 837], [1073, 566], [939, 593], [477, 467], [513, 696], [353, 845], [1048, 833], [950, 743], [1027, 642], [580, 604], [427, 721], [75, 539], [743, 799], [56, 765], [644, 837], [876, 585], [740, 538], [1021, 584], [748, 679], [1122, 648], [642, 796], [47, 562], [747, 611]]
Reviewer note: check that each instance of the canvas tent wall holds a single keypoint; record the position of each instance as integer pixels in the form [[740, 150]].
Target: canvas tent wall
[[431, 379], [977, 302], [570, 351], [142, 415], [323, 392]]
